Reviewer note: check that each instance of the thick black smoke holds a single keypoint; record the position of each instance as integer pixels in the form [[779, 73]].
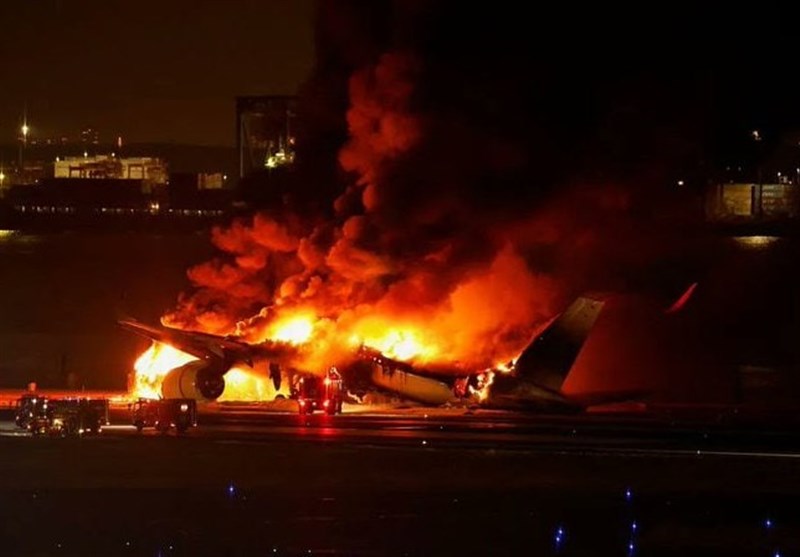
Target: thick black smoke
[[467, 171]]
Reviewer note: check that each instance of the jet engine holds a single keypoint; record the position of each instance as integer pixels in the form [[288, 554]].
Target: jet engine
[[197, 379]]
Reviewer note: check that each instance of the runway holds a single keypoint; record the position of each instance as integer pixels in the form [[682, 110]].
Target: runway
[[404, 483], [622, 434]]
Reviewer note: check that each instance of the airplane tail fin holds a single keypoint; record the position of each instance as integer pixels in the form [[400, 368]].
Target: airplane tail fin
[[549, 357]]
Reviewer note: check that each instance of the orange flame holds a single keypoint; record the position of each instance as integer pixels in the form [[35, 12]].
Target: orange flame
[[401, 345], [153, 365], [159, 359], [244, 385], [295, 329]]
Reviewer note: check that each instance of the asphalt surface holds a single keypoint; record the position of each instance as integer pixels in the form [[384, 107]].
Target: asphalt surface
[[406, 483]]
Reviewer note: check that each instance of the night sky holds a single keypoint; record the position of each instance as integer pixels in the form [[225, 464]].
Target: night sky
[[167, 71], [151, 70]]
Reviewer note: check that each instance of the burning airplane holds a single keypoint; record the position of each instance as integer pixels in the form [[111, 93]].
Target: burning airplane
[[426, 271], [533, 380]]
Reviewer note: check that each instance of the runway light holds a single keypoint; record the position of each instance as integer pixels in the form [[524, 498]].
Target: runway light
[[634, 526], [231, 489], [628, 494], [768, 524], [560, 536]]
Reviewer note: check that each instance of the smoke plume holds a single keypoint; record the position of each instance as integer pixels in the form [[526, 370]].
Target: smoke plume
[[463, 211]]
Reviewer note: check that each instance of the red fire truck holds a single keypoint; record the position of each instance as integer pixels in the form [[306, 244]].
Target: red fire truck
[[320, 393], [162, 414]]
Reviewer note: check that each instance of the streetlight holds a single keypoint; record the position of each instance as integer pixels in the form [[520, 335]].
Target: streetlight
[[25, 131]]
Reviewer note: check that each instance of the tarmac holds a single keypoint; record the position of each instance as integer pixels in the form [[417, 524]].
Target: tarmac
[[405, 482]]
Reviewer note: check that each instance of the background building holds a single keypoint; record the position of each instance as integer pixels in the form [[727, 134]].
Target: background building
[[264, 132], [753, 202], [151, 171]]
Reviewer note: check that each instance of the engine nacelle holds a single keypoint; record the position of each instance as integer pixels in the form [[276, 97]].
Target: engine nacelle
[[196, 379]]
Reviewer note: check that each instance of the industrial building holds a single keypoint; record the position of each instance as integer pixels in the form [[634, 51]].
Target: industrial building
[[745, 202], [264, 132], [151, 171]]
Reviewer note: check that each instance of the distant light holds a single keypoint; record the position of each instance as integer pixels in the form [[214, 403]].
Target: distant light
[[628, 494], [25, 130], [634, 526], [225, 176], [755, 242], [85, 154], [559, 537], [231, 489], [58, 159], [768, 523], [756, 135], [680, 182]]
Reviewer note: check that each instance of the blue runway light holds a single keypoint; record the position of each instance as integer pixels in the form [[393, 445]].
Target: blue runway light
[[634, 526], [231, 489], [628, 494], [768, 523], [559, 537]]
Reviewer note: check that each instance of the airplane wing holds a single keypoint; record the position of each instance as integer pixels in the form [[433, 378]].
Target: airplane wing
[[200, 345]]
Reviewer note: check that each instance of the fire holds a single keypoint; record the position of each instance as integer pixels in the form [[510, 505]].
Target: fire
[[159, 359], [505, 367], [402, 345], [481, 390], [153, 365], [485, 380], [296, 329], [241, 385], [402, 342]]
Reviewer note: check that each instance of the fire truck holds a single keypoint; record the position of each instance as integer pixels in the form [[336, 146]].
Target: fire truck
[[162, 414], [320, 393], [70, 417], [27, 407]]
